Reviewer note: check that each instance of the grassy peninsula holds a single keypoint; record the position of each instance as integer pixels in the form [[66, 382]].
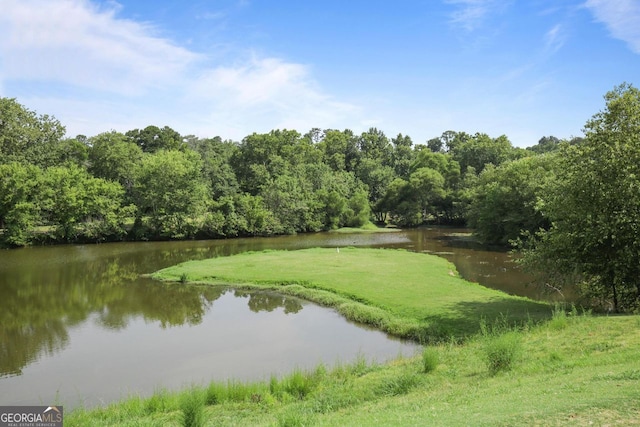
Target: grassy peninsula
[[493, 359], [407, 294]]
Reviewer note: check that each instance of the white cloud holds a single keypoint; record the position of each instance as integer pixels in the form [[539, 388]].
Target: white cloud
[[621, 17], [269, 93], [96, 71], [554, 39], [73, 42], [471, 14]]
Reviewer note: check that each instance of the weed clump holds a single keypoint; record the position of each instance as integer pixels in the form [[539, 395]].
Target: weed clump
[[501, 351], [430, 359], [501, 345], [192, 406]]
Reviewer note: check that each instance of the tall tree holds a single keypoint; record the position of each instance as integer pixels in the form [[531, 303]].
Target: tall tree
[[82, 206], [19, 202], [594, 205], [481, 150], [152, 139], [505, 199], [25, 136], [339, 150], [114, 156], [402, 155], [216, 155], [171, 193], [263, 157]]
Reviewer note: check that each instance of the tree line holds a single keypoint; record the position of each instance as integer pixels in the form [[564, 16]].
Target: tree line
[[154, 183], [570, 206]]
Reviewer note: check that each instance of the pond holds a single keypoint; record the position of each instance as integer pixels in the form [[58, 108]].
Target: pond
[[79, 326]]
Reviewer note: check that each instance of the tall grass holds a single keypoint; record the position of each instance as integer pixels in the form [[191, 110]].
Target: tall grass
[[430, 359], [501, 345], [235, 391], [192, 405]]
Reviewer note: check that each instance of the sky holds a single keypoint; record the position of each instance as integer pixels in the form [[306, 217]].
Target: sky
[[520, 68]]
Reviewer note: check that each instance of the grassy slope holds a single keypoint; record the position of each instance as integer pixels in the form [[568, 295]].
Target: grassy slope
[[412, 288], [571, 370]]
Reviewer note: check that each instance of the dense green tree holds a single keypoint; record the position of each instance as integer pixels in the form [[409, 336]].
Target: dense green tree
[[481, 150], [594, 204], [374, 144], [152, 139], [448, 207], [343, 200], [545, 145], [114, 156], [82, 206], [216, 155], [427, 187], [412, 202], [288, 199], [260, 158], [377, 178], [27, 137], [435, 145], [170, 193], [505, 200], [339, 150], [452, 140], [19, 202], [402, 155]]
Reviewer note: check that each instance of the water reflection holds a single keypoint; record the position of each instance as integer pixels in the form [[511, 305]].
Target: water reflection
[[266, 301]]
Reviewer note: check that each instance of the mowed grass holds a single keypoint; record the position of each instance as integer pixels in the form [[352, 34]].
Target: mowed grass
[[575, 370], [408, 294]]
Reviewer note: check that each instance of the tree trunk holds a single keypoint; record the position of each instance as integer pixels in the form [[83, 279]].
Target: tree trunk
[[615, 293]]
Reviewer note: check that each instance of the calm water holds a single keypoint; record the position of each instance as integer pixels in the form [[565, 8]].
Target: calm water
[[79, 326]]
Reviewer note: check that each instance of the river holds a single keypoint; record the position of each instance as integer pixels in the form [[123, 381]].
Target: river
[[79, 326]]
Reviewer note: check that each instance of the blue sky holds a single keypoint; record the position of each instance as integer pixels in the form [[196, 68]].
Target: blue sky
[[525, 69]]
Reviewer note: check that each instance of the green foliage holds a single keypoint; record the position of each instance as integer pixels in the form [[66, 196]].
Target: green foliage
[[480, 150], [152, 139], [593, 209], [79, 205], [114, 156], [339, 150], [27, 137], [170, 193], [216, 155], [19, 202], [505, 199], [179, 187], [546, 144]]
